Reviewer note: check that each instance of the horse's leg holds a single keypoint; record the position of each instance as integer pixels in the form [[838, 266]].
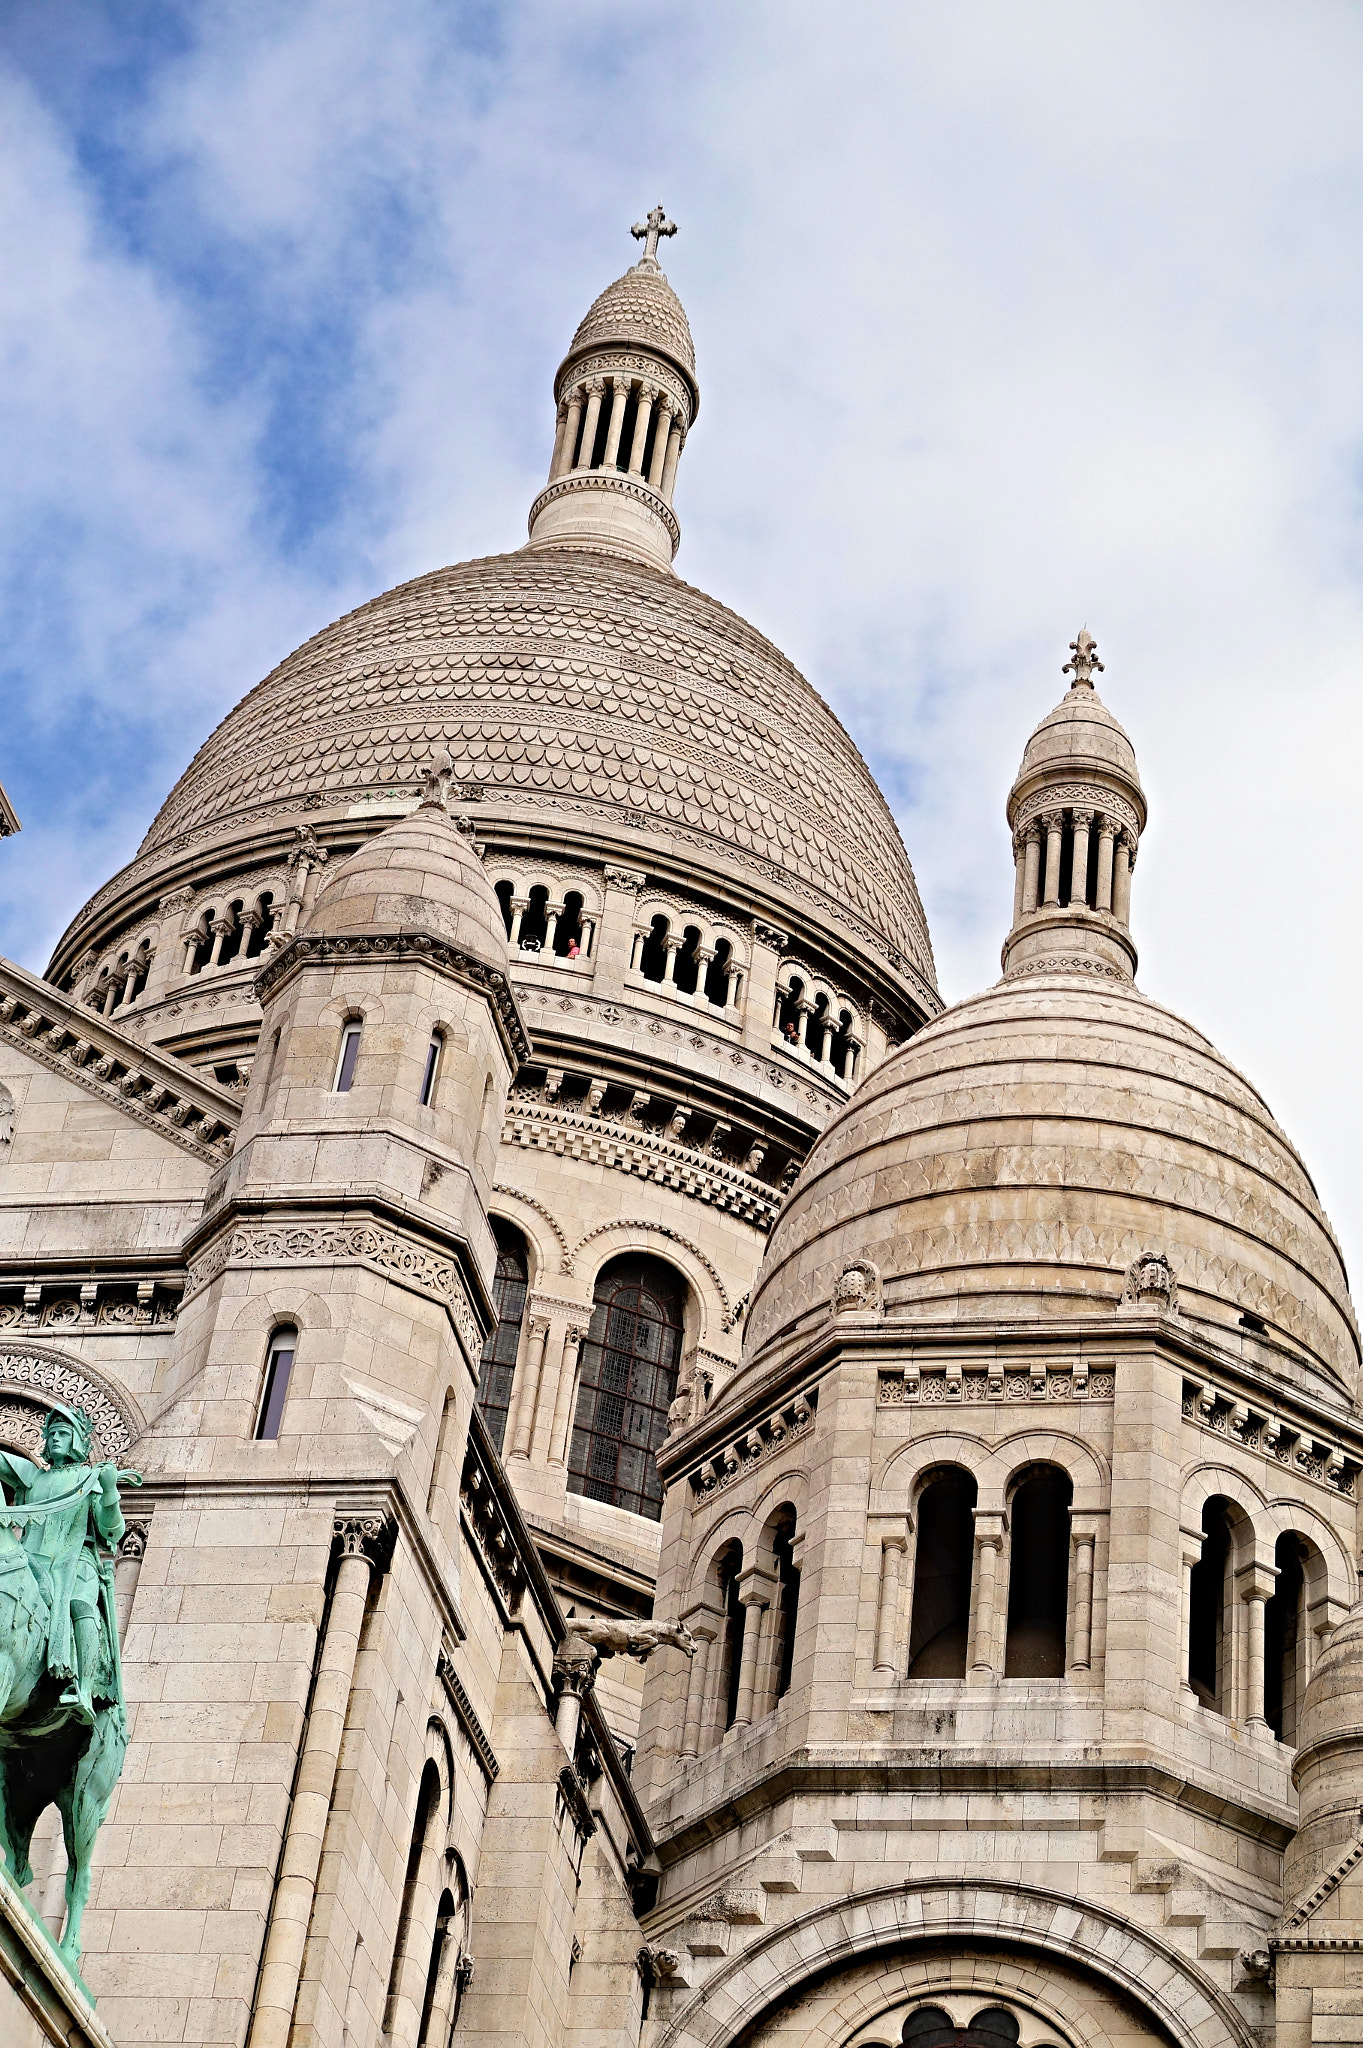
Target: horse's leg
[[83, 1802]]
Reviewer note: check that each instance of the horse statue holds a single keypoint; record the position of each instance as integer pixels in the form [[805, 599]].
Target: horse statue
[[63, 1718]]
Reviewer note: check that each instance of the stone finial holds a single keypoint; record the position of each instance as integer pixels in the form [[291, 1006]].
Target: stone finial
[[1085, 663], [1151, 1283], [435, 783], [649, 230]]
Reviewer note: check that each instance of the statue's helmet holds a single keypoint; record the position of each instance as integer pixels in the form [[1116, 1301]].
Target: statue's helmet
[[81, 1427]]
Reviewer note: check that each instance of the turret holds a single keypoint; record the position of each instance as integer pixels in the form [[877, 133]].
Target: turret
[[626, 394], [1076, 811]]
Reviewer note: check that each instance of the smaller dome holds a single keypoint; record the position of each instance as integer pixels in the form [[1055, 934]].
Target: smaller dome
[[418, 873], [1080, 735], [1326, 1769], [640, 310]]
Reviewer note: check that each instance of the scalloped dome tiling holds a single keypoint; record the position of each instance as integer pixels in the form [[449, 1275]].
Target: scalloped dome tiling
[[1016, 1156], [579, 684], [642, 310]]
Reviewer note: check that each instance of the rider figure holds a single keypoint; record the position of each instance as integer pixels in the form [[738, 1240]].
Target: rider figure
[[67, 1512]]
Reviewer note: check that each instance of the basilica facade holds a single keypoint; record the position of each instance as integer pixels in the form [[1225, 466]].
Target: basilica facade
[[691, 1494]]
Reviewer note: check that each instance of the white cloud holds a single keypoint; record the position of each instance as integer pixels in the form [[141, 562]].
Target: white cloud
[[1007, 319]]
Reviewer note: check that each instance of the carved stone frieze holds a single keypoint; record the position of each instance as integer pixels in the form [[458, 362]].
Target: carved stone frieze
[[1089, 796], [793, 1418], [104, 1061], [1315, 1453], [321, 1244], [399, 946], [649, 1155], [615, 481]]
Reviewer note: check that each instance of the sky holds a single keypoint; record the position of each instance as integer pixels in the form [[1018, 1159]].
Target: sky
[[1009, 319]]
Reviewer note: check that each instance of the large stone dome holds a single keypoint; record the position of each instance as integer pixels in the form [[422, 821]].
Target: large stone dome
[[1017, 1155], [575, 688]]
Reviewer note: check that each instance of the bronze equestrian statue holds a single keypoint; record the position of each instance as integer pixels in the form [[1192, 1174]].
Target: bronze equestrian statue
[[63, 1719]]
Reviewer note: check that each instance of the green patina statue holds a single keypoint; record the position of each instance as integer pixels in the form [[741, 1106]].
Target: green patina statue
[[63, 1721]]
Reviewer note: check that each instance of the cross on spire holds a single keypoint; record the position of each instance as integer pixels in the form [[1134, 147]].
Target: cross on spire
[[649, 230], [1085, 652]]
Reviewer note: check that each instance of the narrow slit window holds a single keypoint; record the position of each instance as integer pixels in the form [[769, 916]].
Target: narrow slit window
[[350, 1052], [278, 1372], [431, 1070]]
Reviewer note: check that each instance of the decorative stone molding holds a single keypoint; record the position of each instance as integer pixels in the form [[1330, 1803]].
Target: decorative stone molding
[[616, 481], [1043, 1381], [1069, 963], [993, 1916], [406, 946], [467, 1717], [516, 1194], [770, 935], [1088, 796], [133, 1543], [69, 1304], [491, 1531], [38, 1378], [151, 1087], [325, 1244], [630, 1223], [628, 879], [794, 1418], [650, 1155], [1257, 1429]]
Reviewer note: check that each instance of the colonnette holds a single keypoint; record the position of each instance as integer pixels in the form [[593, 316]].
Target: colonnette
[[692, 1493]]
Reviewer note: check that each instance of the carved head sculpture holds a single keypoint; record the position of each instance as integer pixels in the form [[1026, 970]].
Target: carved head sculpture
[[67, 1436]]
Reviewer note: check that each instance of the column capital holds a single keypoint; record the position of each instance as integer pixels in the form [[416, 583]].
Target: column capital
[[1053, 821], [1082, 817], [755, 1587], [1108, 828], [575, 1667], [365, 1535]]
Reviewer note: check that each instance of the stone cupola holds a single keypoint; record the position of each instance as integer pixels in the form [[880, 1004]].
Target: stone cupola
[[627, 394], [1076, 811]]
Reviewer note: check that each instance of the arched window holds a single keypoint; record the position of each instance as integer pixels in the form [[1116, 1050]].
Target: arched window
[[568, 935], [498, 1369], [262, 923], [401, 1984], [840, 1048], [275, 1390], [942, 1568], [930, 2027], [627, 1383], [730, 1663], [199, 944], [347, 1056], [1208, 1633], [785, 1607], [1287, 1632], [1038, 1574], [431, 1069], [687, 972], [653, 952], [717, 974], [504, 892], [788, 1011], [535, 923], [231, 944]]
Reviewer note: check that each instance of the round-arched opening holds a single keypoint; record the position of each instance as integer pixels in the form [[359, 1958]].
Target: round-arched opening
[[942, 1569], [627, 1381], [497, 1370], [1038, 1573]]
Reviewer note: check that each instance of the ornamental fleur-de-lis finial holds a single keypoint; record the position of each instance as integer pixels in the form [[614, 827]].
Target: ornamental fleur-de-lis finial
[[1085, 652], [648, 231], [435, 783]]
